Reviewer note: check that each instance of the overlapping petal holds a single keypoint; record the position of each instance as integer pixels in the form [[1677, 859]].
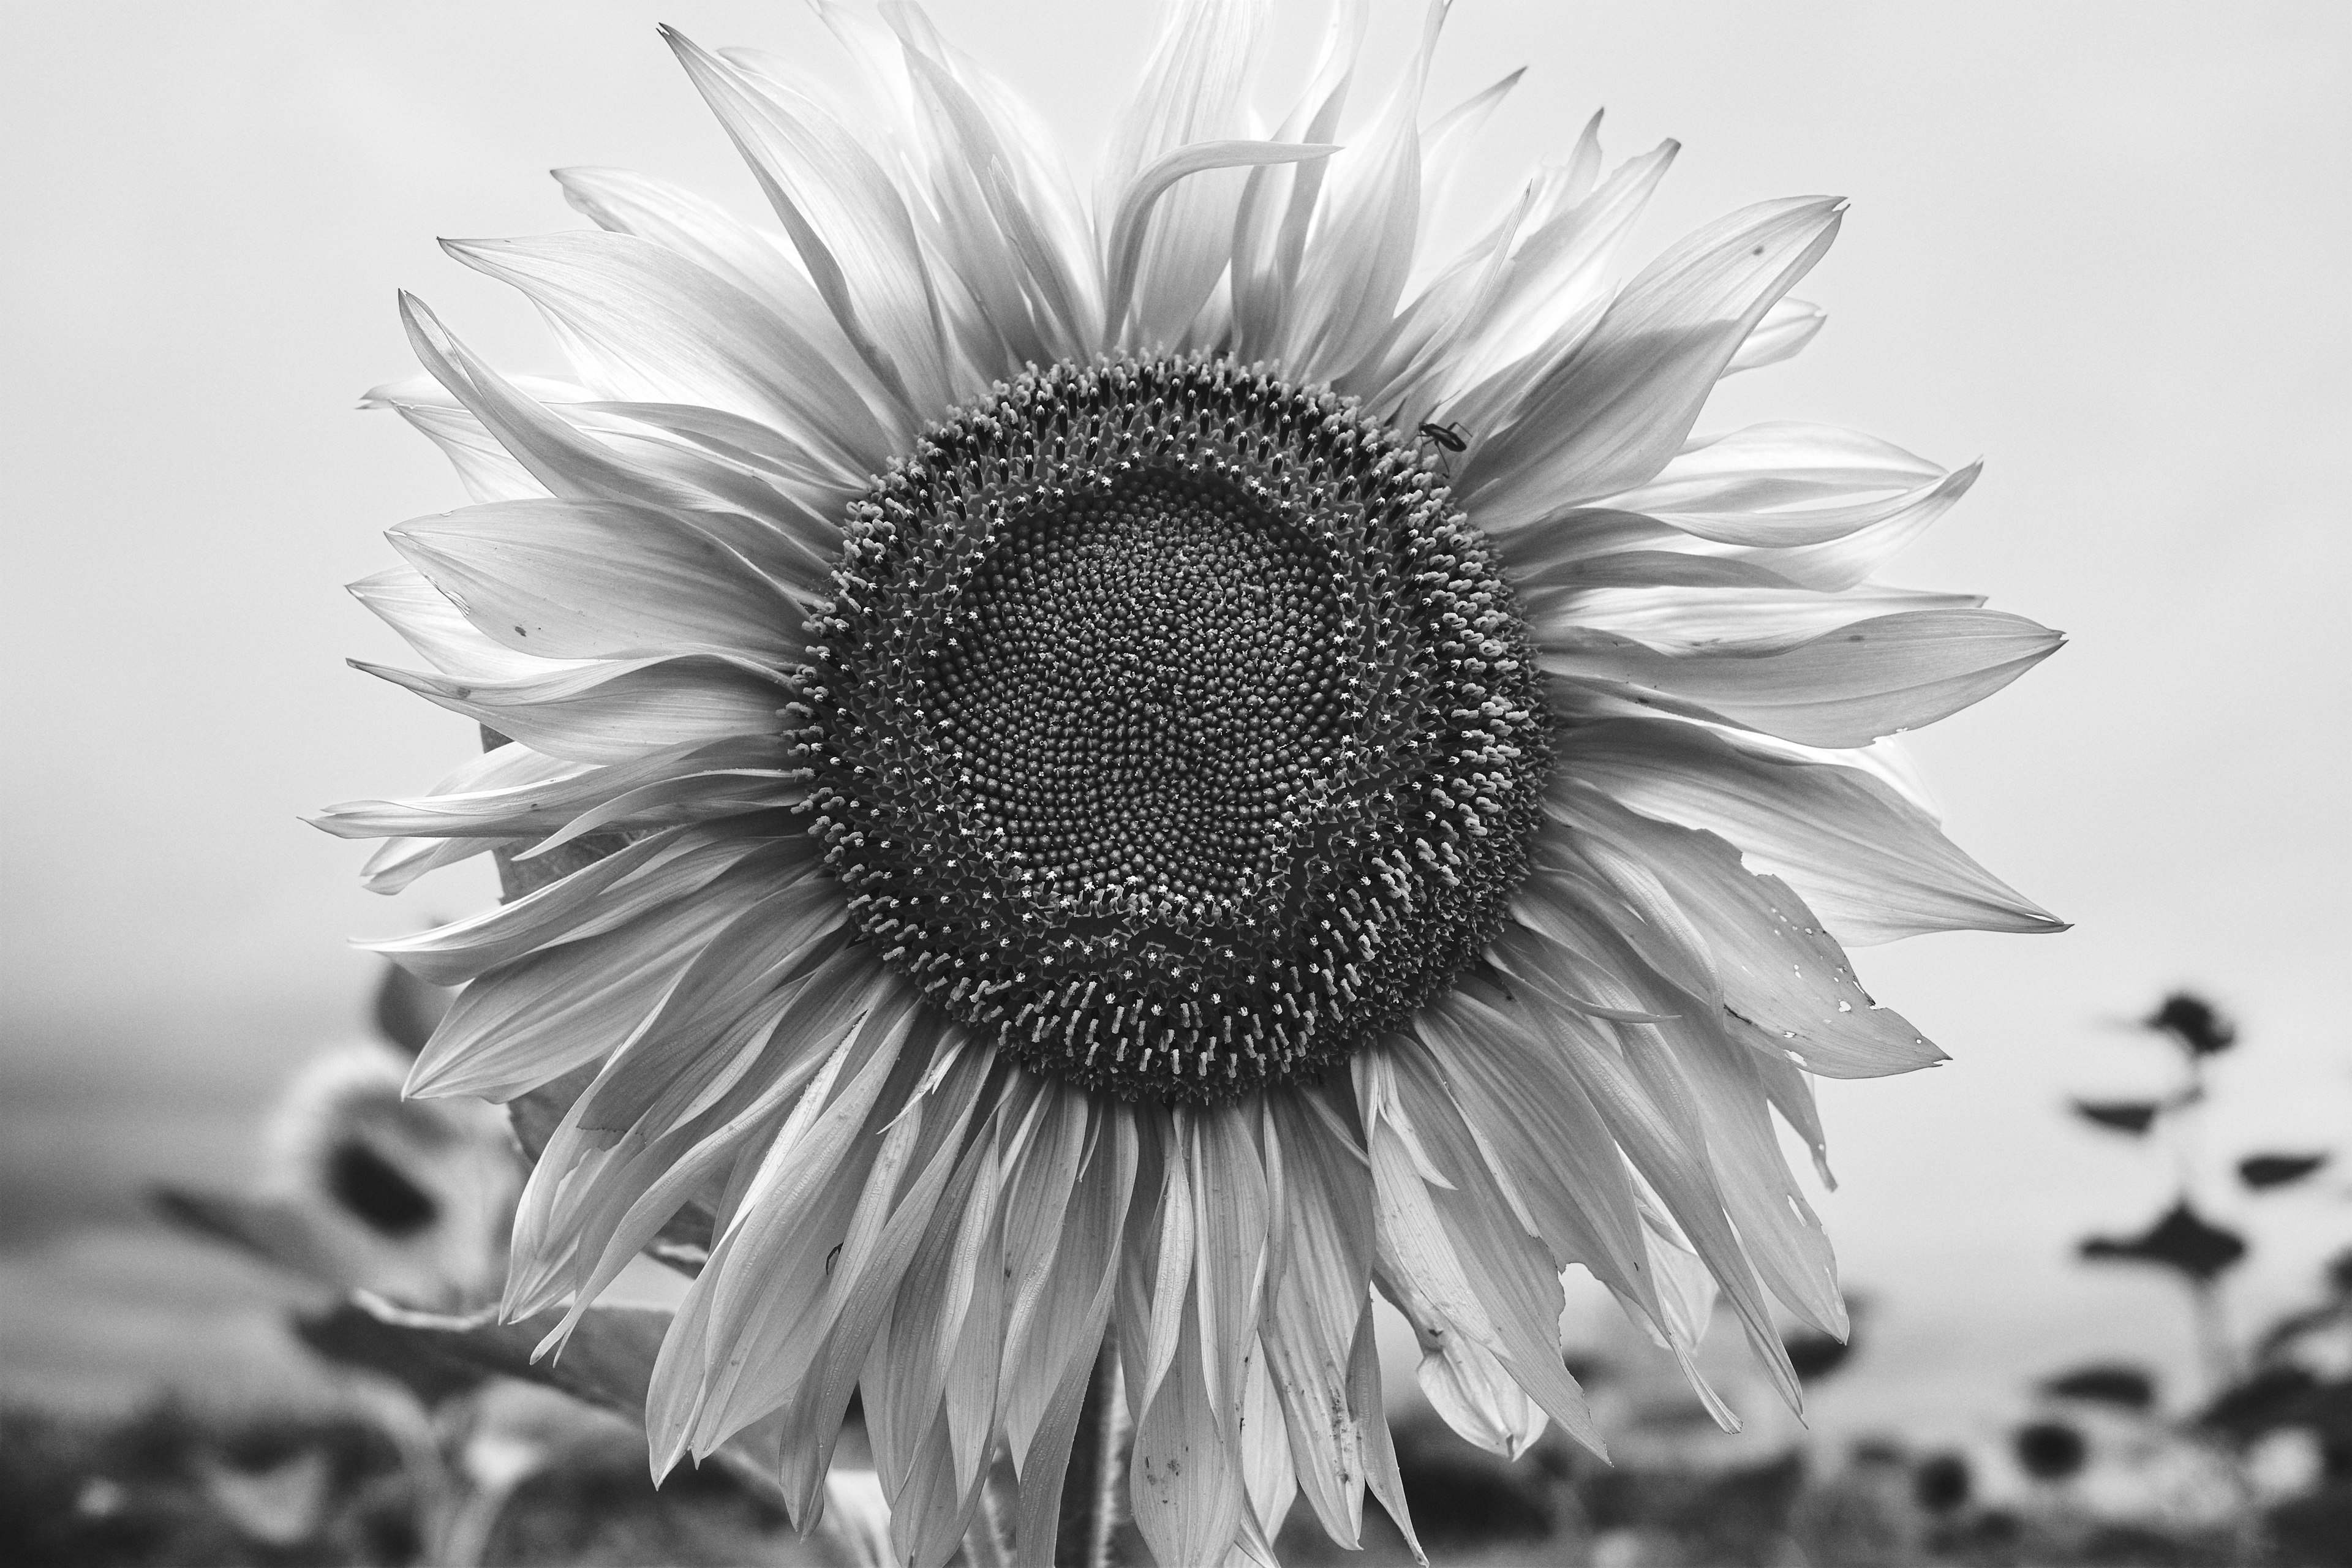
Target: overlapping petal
[[897, 1212]]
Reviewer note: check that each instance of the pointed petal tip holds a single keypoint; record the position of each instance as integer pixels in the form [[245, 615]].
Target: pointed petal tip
[[426, 1082]]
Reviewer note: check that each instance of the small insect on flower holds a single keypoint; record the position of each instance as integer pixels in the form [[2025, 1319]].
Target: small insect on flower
[[1085, 833]]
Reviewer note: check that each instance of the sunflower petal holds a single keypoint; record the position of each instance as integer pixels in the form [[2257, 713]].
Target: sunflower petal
[[1184, 1478], [1193, 94], [642, 323], [405, 600], [1614, 413], [1132, 228], [575, 579], [1782, 333], [1279, 200], [487, 470], [1467, 1387], [1771, 962], [658, 868], [1841, 688], [541, 1015], [1323, 1224], [516, 792], [1505, 1267], [1356, 262], [1870, 864], [1092, 1273], [701, 232], [1381, 1473], [614, 711], [1268, 1480], [848, 221], [1782, 483], [1545, 1138], [767, 1269], [401, 861]]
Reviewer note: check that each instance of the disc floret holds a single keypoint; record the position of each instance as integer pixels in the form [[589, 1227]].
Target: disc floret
[[1171, 727]]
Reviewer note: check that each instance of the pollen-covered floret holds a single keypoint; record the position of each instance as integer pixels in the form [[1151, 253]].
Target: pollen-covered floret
[[1172, 727]]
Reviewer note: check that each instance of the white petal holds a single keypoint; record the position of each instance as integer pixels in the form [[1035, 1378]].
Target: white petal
[[1315, 1293], [1765, 957], [559, 456], [1266, 1474], [703, 233], [577, 579], [529, 793], [1279, 200], [797, 1207], [1469, 1389], [1092, 1255], [440, 632], [611, 712], [644, 324], [1361, 249], [1719, 617], [1543, 1132], [845, 217], [1141, 216], [1514, 1285], [1782, 333], [1783, 484], [487, 470], [1841, 688], [1870, 864], [1193, 93], [1612, 414], [1633, 1090], [673, 867], [1229, 1207], [401, 861], [543, 1015], [1544, 301], [1183, 1480]]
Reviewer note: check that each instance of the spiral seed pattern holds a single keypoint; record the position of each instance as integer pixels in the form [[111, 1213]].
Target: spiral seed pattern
[[1170, 727]]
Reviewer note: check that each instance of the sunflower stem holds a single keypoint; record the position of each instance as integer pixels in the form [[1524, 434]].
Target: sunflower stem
[[1095, 1487]]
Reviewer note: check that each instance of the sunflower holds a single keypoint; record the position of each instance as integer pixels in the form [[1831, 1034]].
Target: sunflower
[[1139, 768]]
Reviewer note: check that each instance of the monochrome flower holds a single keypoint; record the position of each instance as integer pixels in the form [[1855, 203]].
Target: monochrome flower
[[1158, 762]]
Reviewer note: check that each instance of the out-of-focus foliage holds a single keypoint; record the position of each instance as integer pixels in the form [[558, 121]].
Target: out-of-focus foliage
[[2259, 1171], [2132, 1116], [2182, 1240], [2124, 1387], [2278, 1419]]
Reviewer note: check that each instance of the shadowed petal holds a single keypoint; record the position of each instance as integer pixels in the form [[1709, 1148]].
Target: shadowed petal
[[1870, 864]]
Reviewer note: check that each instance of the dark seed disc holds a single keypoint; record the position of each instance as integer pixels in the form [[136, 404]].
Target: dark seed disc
[[1171, 728]]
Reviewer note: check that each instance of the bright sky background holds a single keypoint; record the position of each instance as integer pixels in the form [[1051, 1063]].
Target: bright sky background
[[2102, 246]]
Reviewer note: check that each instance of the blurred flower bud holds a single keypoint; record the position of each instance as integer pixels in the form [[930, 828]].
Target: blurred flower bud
[[2193, 1021], [2050, 1450]]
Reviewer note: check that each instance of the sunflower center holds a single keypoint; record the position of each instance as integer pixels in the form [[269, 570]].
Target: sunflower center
[[1138, 678], [1170, 727]]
